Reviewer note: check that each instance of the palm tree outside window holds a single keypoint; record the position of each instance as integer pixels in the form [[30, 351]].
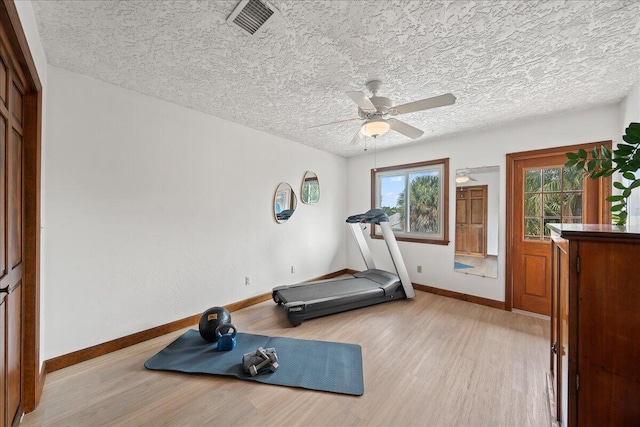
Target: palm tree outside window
[[552, 195], [415, 198]]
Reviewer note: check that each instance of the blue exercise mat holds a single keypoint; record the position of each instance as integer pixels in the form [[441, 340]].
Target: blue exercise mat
[[315, 365], [458, 265]]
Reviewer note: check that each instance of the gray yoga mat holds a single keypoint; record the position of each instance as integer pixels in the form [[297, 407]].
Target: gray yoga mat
[[315, 365]]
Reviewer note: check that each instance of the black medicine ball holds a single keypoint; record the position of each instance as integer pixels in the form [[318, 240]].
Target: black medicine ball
[[210, 320]]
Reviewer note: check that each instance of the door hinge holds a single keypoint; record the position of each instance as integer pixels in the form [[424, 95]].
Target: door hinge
[[577, 382], [578, 264]]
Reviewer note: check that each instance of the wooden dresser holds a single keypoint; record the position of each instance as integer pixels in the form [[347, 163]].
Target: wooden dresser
[[595, 324]]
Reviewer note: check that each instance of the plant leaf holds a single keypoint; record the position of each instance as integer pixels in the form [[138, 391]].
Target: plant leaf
[[633, 131], [582, 153], [628, 175], [619, 185], [616, 208], [623, 149], [571, 156], [619, 218]]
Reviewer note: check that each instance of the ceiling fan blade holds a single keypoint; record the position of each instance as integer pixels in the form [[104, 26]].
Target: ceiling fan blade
[[357, 138], [363, 102], [405, 129], [335, 123], [423, 104]]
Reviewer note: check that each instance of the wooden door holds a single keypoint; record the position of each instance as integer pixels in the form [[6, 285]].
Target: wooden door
[[471, 221], [11, 220], [542, 191]]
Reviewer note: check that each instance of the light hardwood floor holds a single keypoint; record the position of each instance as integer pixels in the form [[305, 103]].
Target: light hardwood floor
[[431, 361]]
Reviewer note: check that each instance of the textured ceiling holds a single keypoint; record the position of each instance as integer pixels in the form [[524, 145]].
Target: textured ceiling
[[503, 60]]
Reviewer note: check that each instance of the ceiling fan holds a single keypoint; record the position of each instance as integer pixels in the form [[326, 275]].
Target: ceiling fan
[[463, 176], [376, 110]]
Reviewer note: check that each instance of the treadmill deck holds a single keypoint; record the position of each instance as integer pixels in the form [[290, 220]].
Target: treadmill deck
[[329, 289], [308, 300]]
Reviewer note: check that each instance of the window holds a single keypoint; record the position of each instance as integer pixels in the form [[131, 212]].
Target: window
[[415, 197], [551, 195]]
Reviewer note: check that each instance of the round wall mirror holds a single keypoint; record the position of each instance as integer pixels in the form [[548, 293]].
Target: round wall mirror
[[310, 192], [284, 202]]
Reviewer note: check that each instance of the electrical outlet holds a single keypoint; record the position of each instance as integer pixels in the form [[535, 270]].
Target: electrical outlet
[[293, 269], [247, 281], [419, 269]]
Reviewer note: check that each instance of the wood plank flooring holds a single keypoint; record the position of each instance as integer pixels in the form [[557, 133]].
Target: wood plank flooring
[[431, 361]]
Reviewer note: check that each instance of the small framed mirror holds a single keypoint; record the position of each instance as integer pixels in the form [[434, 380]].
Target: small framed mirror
[[284, 203], [477, 210], [310, 192]]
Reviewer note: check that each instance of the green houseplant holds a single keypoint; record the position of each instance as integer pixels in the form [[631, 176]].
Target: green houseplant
[[625, 159]]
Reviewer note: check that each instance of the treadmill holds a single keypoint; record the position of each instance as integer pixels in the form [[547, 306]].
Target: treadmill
[[372, 286]]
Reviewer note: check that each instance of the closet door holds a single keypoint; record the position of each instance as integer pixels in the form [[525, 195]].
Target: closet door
[[11, 220], [471, 221]]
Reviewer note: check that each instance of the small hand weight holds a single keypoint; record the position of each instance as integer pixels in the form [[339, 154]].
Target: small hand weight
[[262, 360], [226, 341]]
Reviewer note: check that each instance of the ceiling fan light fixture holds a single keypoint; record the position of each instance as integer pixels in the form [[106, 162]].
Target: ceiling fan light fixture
[[462, 176], [375, 127]]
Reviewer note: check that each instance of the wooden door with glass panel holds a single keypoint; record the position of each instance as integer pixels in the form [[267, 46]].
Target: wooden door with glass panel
[[544, 191]]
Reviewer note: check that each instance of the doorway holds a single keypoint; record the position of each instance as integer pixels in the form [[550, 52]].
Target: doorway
[[541, 191]]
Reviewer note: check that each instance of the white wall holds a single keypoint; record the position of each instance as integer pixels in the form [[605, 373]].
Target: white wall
[[156, 212], [482, 148], [630, 108], [28, 21]]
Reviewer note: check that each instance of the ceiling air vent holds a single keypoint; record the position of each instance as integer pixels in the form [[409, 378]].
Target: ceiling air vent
[[250, 15]]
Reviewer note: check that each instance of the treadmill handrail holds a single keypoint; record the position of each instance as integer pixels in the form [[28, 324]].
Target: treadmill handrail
[[396, 258], [373, 216], [379, 218], [358, 234]]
